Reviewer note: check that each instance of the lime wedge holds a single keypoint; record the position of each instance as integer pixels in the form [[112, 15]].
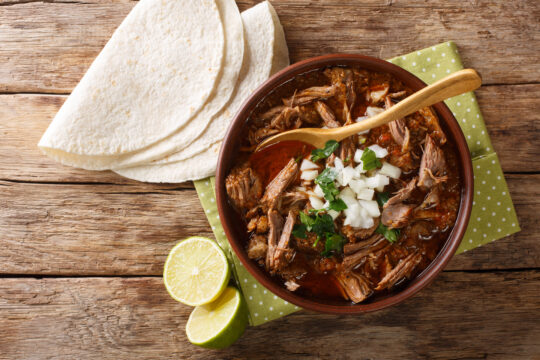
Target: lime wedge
[[220, 323], [196, 271]]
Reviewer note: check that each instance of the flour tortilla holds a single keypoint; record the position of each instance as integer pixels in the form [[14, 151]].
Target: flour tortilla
[[265, 53], [156, 72], [276, 56]]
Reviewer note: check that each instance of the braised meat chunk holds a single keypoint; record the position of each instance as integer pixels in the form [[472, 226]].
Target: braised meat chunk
[[355, 286], [356, 218], [433, 165], [284, 253], [244, 187], [309, 95], [276, 187], [275, 224]]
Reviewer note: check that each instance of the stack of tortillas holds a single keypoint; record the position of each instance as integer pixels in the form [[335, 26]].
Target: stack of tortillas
[[156, 102]]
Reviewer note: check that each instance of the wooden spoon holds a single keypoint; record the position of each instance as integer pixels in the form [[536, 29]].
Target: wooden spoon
[[454, 84]]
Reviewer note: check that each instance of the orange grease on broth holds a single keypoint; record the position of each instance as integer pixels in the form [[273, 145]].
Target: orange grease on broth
[[269, 161]]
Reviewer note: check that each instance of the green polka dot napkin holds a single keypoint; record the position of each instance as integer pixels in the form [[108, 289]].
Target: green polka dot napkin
[[493, 215]]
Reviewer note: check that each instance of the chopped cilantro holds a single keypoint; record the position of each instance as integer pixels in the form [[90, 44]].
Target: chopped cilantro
[[326, 181], [307, 220], [334, 244], [329, 148], [330, 191], [390, 234], [337, 205], [328, 175], [316, 241], [382, 198], [299, 230], [323, 224], [369, 160]]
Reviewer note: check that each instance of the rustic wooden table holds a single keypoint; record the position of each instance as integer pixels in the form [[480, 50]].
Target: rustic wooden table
[[82, 252]]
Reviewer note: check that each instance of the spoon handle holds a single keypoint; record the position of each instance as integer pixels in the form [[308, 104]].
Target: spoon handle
[[454, 84]]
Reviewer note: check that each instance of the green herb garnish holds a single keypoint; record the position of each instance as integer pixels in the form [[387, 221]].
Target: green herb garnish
[[329, 148], [334, 244], [326, 181], [337, 205], [316, 211], [369, 160], [299, 230], [307, 220], [323, 226], [391, 235], [326, 176], [382, 198], [316, 241]]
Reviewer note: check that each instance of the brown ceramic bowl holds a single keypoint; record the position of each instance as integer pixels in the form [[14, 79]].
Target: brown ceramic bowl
[[235, 228]]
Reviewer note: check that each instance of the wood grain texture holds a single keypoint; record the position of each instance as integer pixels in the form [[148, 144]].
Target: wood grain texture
[[78, 229], [94, 229], [460, 316], [25, 117], [58, 220], [47, 46]]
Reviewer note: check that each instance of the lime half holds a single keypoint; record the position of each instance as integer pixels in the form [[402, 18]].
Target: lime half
[[196, 271], [220, 323]]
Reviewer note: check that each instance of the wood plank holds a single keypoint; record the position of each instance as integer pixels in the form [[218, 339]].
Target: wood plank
[[25, 117], [460, 316], [47, 46], [512, 116], [116, 229], [89, 229]]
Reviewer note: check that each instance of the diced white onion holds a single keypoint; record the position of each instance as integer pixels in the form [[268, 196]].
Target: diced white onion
[[378, 95], [353, 215], [309, 174], [372, 111], [371, 206], [368, 222], [358, 156], [338, 164], [390, 170], [357, 185], [300, 188], [308, 165], [348, 196], [360, 169], [316, 203], [377, 182], [333, 213], [348, 174], [365, 194], [318, 191], [380, 152]]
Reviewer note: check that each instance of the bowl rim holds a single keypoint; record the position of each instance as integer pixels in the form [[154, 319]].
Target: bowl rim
[[464, 161]]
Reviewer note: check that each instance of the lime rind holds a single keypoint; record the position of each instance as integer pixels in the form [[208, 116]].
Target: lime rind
[[196, 271], [219, 324]]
